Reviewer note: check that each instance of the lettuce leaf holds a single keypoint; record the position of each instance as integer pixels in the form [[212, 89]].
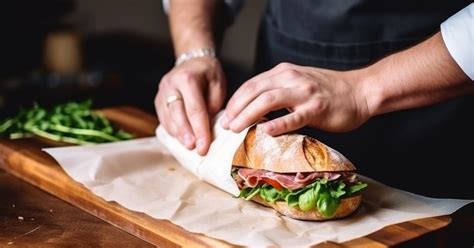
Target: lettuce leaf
[[293, 200], [327, 204], [307, 200], [244, 193], [253, 192], [337, 190], [321, 194], [356, 188], [270, 194]]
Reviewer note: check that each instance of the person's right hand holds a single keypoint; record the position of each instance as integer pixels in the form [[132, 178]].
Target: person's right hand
[[201, 84]]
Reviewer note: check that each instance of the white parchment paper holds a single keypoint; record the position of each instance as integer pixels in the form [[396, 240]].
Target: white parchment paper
[[143, 176], [216, 166]]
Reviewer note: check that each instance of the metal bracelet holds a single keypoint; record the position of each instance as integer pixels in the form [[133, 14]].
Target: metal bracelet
[[195, 54]]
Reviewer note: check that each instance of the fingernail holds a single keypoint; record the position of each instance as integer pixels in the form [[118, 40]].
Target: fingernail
[[188, 140], [269, 127]]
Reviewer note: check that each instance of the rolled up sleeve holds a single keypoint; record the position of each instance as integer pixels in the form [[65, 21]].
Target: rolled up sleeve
[[458, 35]]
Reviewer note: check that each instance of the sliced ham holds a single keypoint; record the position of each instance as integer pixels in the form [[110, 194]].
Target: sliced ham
[[251, 177], [309, 177], [295, 181]]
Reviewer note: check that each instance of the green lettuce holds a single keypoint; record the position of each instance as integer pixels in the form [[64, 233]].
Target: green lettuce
[[322, 194]]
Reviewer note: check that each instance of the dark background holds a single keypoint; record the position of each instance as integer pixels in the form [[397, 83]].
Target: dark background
[[125, 49]]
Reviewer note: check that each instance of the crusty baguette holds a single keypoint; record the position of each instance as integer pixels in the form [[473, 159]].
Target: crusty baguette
[[346, 207], [288, 153]]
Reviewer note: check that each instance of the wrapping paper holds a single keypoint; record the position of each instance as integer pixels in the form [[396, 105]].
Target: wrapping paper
[[216, 166], [142, 175]]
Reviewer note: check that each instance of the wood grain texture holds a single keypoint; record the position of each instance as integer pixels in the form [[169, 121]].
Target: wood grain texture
[[30, 217], [24, 159]]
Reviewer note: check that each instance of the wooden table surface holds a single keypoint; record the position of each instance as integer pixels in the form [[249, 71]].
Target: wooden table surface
[[30, 217], [51, 222], [24, 159]]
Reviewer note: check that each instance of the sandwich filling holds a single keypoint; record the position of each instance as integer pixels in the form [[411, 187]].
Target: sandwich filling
[[303, 190]]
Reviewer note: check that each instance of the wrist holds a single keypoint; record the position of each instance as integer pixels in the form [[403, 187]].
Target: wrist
[[369, 89], [195, 53], [191, 26], [191, 40]]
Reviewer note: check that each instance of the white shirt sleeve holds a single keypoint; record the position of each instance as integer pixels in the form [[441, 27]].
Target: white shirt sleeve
[[458, 35]]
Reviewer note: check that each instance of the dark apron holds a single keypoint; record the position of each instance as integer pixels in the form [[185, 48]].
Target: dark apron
[[425, 150]]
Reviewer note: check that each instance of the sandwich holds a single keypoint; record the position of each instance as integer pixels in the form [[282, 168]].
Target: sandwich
[[296, 175]]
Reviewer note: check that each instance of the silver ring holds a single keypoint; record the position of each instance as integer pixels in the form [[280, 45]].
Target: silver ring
[[172, 98]]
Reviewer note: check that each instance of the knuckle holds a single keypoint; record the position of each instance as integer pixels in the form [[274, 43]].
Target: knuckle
[[181, 77], [251, 86], [182, 131], [196, 111], [283, 66], [291, 73], [231, 111], [319, 106], [281, 125], [292, 122], [268, 98], [187, 76], [309, 88], [174, 77], [298, 118]]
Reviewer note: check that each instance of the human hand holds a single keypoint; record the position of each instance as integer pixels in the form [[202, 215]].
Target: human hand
[[200, 84], [328, 100]]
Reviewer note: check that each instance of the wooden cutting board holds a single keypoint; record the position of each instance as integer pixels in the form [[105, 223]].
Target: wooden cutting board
[[24, 159]]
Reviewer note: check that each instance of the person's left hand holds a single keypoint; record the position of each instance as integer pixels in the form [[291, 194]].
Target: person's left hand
[[332, 101]]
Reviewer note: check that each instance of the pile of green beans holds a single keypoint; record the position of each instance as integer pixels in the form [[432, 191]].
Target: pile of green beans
[[72, 122]]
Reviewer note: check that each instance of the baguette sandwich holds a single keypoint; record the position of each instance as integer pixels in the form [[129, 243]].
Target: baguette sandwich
[[296, 175]]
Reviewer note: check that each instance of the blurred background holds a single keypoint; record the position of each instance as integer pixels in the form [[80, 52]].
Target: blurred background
[[111, 51]]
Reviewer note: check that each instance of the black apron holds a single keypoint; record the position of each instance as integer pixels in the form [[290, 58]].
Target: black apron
[[425, 150]]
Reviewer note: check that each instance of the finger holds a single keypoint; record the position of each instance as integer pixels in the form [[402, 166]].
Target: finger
[[215, 97], [163, 118], [183, 130], [250, 90], [168, 125], [198, 117], [286, 123], [263, 104]]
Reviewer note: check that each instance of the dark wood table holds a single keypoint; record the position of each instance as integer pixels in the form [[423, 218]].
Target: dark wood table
[[30, 217]]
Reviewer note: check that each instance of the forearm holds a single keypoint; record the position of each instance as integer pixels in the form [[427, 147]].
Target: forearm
[[192, 24], [422, 75]]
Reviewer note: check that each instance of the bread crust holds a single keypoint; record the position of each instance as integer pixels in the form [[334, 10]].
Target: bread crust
[[346, 207], [292, 153], [288, 153]]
